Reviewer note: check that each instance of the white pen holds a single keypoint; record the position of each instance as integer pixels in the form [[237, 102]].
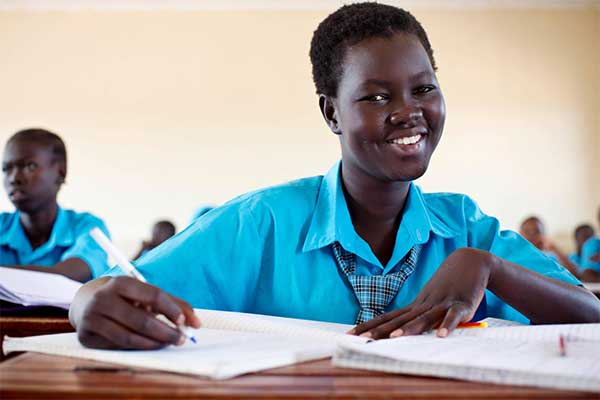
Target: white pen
[[128, 267]]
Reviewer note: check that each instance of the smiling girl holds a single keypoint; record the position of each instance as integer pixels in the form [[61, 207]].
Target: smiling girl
[[361, 244]]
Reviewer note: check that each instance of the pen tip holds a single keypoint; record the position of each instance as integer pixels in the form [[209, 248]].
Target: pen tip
[[193, 339]]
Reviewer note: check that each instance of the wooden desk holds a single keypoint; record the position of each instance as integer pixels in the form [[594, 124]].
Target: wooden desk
[[38, 376], [31, 326]]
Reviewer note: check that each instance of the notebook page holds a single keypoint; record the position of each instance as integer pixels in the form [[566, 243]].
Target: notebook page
[[218, 354], [242, 322], [537, 332], [518, 360], [36, 288]]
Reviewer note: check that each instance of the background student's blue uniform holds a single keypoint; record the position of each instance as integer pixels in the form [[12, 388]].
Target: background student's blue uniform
[[69, 239], [575, 259], [270, 252], [590, 247]]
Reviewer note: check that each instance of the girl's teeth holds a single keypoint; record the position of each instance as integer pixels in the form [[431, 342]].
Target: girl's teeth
[[407, 140]]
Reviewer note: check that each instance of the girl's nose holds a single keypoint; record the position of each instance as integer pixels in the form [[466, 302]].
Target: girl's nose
[[406, 116]]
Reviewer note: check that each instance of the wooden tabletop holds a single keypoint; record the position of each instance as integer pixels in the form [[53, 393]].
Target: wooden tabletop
[[31, 326], [38, 376]]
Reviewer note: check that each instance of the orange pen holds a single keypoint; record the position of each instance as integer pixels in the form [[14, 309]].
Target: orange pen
[[472, 325]]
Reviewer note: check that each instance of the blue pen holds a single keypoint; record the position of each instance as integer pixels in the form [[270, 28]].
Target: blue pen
[[129, 269]]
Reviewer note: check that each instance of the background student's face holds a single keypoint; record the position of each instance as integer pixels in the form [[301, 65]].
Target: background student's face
[[388, 92], [31, 175], [160, 233], [534, 232]]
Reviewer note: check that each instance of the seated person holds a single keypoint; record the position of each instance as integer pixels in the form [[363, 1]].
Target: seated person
[[161, 231], [40, 235], [533, 229], [581, 235], [362, 244], [590, 258]]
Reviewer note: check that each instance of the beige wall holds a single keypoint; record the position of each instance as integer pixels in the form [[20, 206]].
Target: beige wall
[[165, 111]]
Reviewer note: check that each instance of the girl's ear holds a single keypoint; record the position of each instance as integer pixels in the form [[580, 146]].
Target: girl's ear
[[327, 106]]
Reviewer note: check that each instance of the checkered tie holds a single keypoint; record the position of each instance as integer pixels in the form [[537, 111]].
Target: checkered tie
[[375, 292]]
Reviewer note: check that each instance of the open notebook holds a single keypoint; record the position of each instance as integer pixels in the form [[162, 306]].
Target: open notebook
[[32, 288], [517, 355], [229, 344]]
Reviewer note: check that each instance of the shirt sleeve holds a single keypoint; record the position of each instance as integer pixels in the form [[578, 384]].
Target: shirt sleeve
[[86, 248], [484, 233], [214, 263]]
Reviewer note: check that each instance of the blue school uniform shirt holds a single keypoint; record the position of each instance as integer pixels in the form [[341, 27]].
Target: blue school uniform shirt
[[69, 239], [590, 247], [574, 258], [270, 252]]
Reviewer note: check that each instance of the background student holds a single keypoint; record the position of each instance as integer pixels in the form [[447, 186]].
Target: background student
[[161, 231], [362, 243], [590, 257], [581, 234], [40, 235], [534, 230]]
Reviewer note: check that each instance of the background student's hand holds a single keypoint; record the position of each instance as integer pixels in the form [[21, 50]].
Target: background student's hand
[[595, 257], [120, 313], [451, 296]]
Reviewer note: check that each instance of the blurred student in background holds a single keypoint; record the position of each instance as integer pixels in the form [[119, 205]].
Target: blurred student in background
[[582, 234], [40, 235], [533, 229], [590, 256], [161, 231]]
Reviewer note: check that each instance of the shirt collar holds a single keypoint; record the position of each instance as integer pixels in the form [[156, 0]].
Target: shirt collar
[[331, 222], [15, 238]]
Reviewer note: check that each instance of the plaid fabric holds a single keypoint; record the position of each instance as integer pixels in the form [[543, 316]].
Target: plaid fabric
[[375, 292]]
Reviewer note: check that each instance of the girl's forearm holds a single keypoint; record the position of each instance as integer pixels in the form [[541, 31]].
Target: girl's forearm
[[542, 299]]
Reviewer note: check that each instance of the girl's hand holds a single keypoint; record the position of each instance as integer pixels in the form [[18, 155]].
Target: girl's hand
[[451, 296], [120, 313]]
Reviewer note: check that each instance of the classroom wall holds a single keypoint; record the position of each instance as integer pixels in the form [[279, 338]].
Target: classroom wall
[[166, 111]]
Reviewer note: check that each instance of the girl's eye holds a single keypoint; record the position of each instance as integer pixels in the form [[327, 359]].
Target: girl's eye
[[375, 98], [424, 89], [30, 166]]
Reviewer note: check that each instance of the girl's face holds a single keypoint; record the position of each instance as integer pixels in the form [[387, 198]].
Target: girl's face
[[389, 110]]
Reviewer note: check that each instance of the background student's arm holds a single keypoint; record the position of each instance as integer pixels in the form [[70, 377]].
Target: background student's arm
[[564, 260], [589, 275], [74, 268]]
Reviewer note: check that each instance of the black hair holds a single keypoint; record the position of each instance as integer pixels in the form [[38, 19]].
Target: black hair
[[584, 227], [533, 218], [349, 25], [45, 138], [168, 225]]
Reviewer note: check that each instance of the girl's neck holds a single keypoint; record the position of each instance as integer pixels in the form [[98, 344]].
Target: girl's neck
[[376, 211]]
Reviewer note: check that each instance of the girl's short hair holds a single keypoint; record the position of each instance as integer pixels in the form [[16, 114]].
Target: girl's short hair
[[349, 25]]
